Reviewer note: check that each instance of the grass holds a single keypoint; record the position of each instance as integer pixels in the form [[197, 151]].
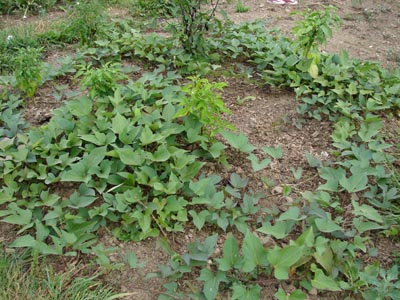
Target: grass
[[22, 281], [240, 8], [80, 24]]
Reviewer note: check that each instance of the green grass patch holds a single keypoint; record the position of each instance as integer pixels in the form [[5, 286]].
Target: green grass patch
[[24, 281]]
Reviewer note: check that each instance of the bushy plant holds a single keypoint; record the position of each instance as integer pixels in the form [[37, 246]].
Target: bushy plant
[[11, 41], [194, 22], [101, 81], [311, 32], [155, 7], [6, 6], [203, 103], [85, 21], [28, 70]]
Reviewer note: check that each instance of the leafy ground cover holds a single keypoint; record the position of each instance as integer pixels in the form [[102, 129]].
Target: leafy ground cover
[[284, 186]]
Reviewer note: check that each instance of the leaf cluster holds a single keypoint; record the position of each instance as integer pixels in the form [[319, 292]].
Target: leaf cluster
[[129, 157], [28, 70]]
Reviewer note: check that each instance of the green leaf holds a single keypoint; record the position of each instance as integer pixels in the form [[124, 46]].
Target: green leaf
[[129, 134], [204, 186], [369, 129], [242, 292], [119, 124], [211, 282], [6, 196], [297, 173], [275, 153], [367, 211], [79, 200], [132, 260], [42, 232], [97, 138], [216, 149], [313, 70], [326, 225], [393, 273], [162, 154], [168, 112], [147, 137], [184, 160], [354, 183], [81, 107], [235, 42], [325, 260], [253, 252], [283, 258], [280, 230], [24, 241], [130, 157], [21, 154], [293, 213], [200, 252], [239, 142], [313, 161], [249, 205], [68, 237], [307, 238], [199, 219], [96, 156], [296, 295], [237, 182], [230, 254], [332, 177], [323, 282], [23, 217], [256, 165], [362, 226], [78, 173]]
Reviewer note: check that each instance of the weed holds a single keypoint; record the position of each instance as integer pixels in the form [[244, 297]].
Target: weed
[[18, 281], [241, 101], [28, 70], [155, 7], [381, 283], [11, 41], [369, 14], [101, 81], [202, 103], [310, 33], [240, 8], [86, 19], [8, 6]]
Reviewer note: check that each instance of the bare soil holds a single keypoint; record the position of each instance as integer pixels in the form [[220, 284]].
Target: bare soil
[[370, 31]]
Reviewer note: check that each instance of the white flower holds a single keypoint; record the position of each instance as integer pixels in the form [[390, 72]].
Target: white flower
[[325, 154], [9, 38], [24, 17], [77, 2]]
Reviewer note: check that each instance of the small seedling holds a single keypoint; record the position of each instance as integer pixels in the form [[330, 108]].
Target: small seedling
[[241, 101], [240, 8]]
